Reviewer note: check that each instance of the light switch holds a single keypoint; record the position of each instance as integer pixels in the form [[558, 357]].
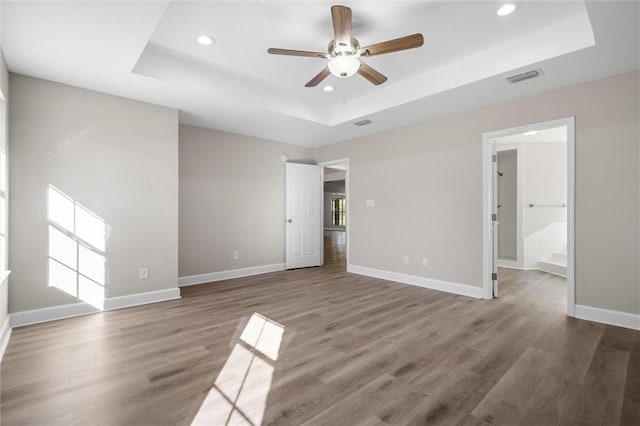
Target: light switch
[[371, 203]]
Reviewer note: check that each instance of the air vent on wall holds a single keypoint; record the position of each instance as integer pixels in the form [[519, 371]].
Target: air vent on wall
[[523, 76], [362, 122]]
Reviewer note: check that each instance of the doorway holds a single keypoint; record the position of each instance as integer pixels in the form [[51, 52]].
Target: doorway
[[528, 205], [336, 214]]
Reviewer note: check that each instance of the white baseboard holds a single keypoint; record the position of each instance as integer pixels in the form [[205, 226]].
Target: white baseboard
[[35, 316], [503, 263], [449, 287], [138, 299], [606, 316], [5, 334], [520, 268], [225, 275]]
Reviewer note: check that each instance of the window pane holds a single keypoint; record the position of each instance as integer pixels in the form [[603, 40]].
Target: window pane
[[338, 212], [62, 248], [62, 277], [91, 264], [60, 209], [90, 228], [91, 292]]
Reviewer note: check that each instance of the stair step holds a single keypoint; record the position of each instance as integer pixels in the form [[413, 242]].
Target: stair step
[[553, 267]]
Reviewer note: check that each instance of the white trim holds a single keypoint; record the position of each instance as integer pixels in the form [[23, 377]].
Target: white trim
[[6, 335], [511, 264], [138, 299], [487, 142], [35, 316], [225, 275], [606, 316], [3, 276], [449, 287], [552, 273], [521, 268], [487, 183], [571, 216], [347, 195]]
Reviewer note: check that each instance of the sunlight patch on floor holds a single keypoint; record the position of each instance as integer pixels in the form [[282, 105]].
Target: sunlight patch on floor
[[239, 394]]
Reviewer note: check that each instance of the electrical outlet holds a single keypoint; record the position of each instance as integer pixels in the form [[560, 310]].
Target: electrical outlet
[[236, 255], [424, 261], [144, 273], [405, 259]]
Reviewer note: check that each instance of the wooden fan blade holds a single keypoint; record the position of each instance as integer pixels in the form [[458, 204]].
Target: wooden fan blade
[[341, 16], [290, 52], [370, 74], [318, 78], [395, 45]]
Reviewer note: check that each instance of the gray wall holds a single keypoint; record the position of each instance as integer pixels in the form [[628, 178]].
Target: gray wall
[[4, 87], [117, 157], [545, 182], [426, 180], [231, 198]]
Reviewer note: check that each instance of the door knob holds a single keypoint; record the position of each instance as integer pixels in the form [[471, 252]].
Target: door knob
[[289, 220]]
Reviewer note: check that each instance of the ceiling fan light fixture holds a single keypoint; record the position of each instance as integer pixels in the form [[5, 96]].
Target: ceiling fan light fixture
[[328, 88], [344, 66]]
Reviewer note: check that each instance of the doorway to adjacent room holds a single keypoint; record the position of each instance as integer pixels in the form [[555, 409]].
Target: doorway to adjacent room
[[528, 203], [335, 212]]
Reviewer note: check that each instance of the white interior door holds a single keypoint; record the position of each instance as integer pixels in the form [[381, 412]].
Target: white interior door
[[494, 220], [304, 238]]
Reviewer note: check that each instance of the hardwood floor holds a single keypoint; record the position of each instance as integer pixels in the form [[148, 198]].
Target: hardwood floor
[[335, 251], [327, 348]]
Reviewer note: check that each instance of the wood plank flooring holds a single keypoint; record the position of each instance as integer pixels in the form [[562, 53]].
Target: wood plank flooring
[[327, 348]]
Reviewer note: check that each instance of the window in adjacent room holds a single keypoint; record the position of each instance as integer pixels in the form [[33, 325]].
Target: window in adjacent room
[[338, 211]]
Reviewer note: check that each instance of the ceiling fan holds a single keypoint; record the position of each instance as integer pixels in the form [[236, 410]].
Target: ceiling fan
[[344, 51]]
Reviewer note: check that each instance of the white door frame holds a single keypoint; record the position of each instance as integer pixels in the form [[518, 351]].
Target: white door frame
[[346, 190], [487, 239]]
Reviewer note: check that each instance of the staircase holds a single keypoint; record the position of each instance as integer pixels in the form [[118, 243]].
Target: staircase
[[557, 264]]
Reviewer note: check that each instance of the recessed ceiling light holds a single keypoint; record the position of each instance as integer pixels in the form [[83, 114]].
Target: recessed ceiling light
[[506, 9], [530, 133], [205, 40], [328, 88]]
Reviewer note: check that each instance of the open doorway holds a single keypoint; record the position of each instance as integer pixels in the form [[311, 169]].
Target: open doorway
[[528, 204], [336, 218]]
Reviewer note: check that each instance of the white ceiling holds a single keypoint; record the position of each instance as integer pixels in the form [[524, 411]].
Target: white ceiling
[[147, 50]]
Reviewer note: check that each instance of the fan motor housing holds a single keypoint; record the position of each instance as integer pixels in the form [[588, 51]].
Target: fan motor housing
[[336, 49]]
